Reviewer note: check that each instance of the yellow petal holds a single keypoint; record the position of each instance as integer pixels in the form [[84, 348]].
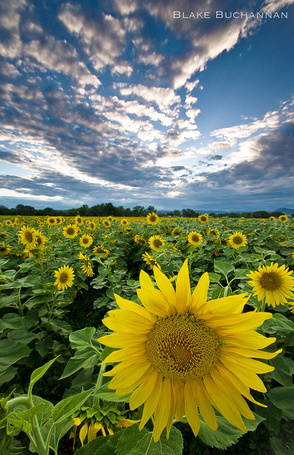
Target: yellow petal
[[247, 377], [199, 296], [127, 321], [205, 408], [83, 433], [140, 395], [117, 340], [151, 403], [240, 351], [249, 364], [124, 354], [154, 301], [223, 404], [125, 304], [183, 289], [165, 286], [129, 376], [191, 409], [163, 415]]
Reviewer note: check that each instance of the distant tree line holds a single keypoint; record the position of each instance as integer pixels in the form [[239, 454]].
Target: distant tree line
[[108, 209]]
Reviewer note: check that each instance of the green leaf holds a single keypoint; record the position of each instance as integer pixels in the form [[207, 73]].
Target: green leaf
[[10, 352], [9, 300], [102, 445], [281, 373], [58, 431], [135, 442], [81, 339], [226, 434], [223, 267], [279, 324], [214, 277], [109, 395], [65, 408], [38, 374], [82, 359], [283, 398], [12, 321], [7, 375]]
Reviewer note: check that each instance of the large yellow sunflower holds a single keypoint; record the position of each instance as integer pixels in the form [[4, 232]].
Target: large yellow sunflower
[[195, 238], [156, 243], [64, 277], [181, 354], [283, 218], [152, 218], [273, 283], [237, 240], [27, 237]]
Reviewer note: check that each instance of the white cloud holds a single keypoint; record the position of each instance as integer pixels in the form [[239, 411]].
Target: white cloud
[[163, 97]]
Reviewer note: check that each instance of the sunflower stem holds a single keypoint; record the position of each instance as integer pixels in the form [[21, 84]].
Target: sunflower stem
[[261, 305]]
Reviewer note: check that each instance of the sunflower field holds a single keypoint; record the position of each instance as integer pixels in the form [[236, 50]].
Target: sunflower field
[[146, 336]]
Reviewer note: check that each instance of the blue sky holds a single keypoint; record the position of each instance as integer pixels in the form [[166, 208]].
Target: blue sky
[[143, 103]]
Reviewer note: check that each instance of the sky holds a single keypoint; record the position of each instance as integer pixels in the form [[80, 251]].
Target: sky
[[173, 104]]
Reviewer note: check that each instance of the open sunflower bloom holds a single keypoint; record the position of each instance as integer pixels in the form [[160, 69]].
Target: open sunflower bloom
[[180, 354]]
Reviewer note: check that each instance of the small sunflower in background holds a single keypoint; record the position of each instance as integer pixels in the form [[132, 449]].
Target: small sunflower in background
[[86, 240], [86, 266], [51, 221], [273, 283], [70, 231], [28, 237], [100, 250], [40, 240], [150, 260], [140, 240], [107, 223], [4, 250], [156, 243], [204, 218], [64, 277], [152, 218], [283, 218], [237, 240], [195, 238]]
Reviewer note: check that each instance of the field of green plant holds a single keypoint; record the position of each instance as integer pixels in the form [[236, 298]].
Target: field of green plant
[[60, 277]]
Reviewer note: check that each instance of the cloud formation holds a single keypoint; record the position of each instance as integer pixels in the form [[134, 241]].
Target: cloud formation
[[105, 103]]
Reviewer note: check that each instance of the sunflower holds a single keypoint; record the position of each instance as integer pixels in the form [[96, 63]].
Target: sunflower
[[283, 218], [272, 218], [176, 231], [8, 223], [237, 240], [156, 243], [4, 250], [64, 277], [124, 222], [91, 225], [140, 240], [273, 283], [70, 231], [179, 352], [78, 220], [100, 250], [40, 240], [86, 266], [150, 260], [86, 240], [27, 237], [195, 238], [107, 223], [203, 218], [51, 221], [152, 218]]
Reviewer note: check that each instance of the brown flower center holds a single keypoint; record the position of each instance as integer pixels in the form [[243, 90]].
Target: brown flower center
[[182, 348]]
